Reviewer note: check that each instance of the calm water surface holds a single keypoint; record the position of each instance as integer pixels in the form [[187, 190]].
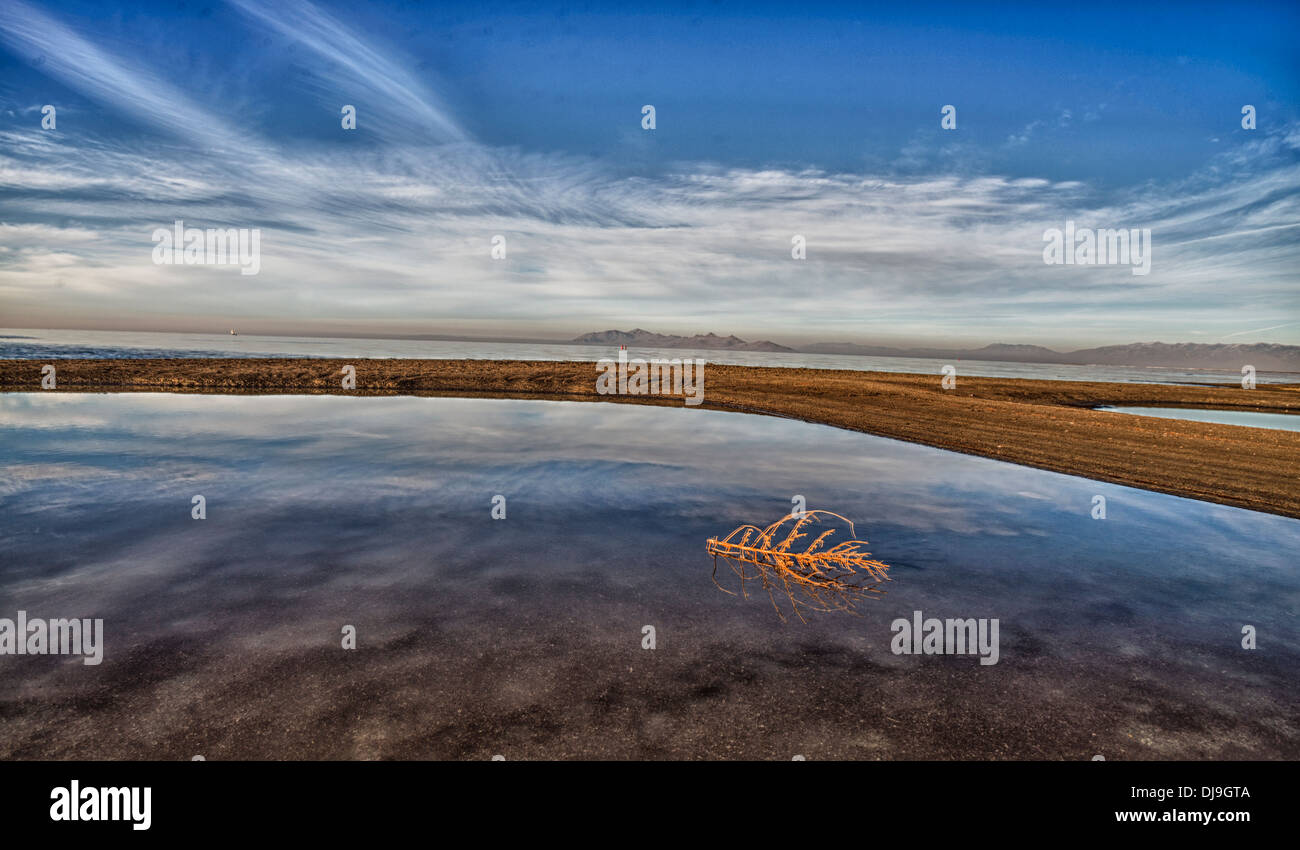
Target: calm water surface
[[1248, 418], [53, 344], [523, 636]]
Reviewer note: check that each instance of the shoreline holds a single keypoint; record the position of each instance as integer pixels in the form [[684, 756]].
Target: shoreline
[[1038, 423]]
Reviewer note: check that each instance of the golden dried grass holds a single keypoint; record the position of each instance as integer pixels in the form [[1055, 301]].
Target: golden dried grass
[[814, 578]]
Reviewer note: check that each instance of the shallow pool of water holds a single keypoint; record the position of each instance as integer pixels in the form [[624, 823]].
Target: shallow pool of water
[[1248, 418], [524, 636]]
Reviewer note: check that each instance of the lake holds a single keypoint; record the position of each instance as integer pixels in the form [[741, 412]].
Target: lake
[[523, 636], [55, 344]]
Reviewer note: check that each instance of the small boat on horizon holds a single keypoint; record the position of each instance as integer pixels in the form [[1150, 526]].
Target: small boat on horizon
[[232, 332]]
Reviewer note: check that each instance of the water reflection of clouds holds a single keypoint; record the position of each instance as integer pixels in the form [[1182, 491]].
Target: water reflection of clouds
[[325, 510], [628, 453]]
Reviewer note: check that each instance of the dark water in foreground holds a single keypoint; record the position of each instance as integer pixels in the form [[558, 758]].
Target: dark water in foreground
[[523, 636]]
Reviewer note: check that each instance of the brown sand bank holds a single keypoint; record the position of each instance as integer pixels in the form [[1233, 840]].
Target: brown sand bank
[[1045, 424]]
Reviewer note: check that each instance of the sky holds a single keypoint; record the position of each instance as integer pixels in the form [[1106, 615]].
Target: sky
[[777, 121]]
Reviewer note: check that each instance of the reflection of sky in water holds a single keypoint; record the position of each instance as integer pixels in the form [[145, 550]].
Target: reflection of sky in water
[[1248, 418], [376, 510]]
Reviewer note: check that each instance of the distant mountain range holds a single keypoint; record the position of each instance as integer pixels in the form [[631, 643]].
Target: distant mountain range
[[1265, 357], [646, 339]]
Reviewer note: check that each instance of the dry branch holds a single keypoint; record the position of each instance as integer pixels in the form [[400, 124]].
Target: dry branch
[[813, 578]]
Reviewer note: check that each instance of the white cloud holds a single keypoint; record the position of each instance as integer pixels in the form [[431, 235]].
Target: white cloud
[[400, 232]]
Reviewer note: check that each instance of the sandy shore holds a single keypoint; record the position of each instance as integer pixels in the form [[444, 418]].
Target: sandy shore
[[1044, 424]]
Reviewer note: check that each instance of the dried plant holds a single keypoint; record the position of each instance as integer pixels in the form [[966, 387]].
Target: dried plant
[[814, 578]]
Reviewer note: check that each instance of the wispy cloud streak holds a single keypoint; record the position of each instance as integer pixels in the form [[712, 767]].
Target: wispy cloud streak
[[386, 234], [397, 97]]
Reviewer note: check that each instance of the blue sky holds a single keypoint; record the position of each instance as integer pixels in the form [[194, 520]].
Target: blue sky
[[771, 121]]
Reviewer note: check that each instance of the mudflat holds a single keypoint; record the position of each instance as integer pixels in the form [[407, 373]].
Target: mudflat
[[1045, 424]]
